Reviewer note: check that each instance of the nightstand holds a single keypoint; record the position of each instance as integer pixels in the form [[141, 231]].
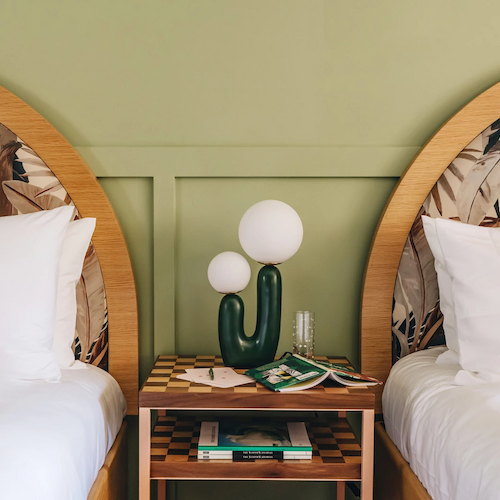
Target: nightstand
[[337, 456]]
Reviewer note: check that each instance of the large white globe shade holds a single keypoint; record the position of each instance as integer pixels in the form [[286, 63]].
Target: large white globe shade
[[229, 272], [271, 232]]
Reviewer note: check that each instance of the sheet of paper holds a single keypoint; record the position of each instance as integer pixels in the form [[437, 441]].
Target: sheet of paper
[[223, 377]]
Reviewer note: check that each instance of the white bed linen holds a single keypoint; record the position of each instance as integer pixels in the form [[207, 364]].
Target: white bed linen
[[54, 436], [449, 433]]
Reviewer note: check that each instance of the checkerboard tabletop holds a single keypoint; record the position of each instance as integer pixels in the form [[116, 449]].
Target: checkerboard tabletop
[[175, 443], [163, 390]]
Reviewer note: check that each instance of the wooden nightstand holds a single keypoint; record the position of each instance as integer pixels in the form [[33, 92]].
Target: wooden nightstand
[[337, 456]]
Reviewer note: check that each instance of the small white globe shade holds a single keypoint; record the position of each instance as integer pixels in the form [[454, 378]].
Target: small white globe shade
[[271, 232], [229, 272]]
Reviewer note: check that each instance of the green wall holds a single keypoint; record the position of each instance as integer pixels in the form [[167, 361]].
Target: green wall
[[189, 111]]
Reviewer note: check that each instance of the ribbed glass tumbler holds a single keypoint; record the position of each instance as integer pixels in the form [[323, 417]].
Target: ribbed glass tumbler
[[303, 333]]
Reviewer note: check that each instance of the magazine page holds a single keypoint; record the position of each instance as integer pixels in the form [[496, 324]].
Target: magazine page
[[347, 376], [307, 384], [353, 379]]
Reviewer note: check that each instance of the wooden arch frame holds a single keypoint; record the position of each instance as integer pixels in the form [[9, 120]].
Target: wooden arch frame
[[396, 221], [91, 201]]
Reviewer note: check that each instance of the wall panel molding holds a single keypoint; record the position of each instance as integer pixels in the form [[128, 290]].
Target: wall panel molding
[[164, 165], [248, 161]]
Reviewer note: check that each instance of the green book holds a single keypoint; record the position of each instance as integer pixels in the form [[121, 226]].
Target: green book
[[296, 373]]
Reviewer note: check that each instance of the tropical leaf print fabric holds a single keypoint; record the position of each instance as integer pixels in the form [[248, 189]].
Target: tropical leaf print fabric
[[468, 191], [28, 185]]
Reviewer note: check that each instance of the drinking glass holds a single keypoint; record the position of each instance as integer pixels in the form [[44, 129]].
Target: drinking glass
[[303, 333]]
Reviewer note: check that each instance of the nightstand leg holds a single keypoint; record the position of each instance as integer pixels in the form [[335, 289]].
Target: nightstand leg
[[144, 453], [340, 490], [367, 430], [162, 489]]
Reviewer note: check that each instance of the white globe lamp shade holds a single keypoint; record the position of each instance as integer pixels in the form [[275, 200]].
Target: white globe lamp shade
[[229, 272], [271, 232]]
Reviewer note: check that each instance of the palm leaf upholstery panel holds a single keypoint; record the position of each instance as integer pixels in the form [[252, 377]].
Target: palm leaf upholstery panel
[[28, 185], [469, 192]]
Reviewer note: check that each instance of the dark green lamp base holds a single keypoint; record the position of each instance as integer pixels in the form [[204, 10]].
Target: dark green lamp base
[[237, 349]]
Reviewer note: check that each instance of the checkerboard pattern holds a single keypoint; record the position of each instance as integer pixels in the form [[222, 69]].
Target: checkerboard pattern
[[163, 377], [176, 440]]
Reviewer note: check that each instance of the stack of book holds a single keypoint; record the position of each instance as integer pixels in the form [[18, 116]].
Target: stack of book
[[249, 441]]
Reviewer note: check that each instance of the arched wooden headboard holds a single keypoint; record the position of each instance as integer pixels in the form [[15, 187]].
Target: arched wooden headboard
[[89, 198], [397, 220]]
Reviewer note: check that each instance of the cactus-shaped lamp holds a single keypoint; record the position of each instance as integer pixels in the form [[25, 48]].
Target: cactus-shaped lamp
[[270, 232]]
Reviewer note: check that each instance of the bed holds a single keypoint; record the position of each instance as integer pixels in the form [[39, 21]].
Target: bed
[[452, 177], [451, 446], [84, 410]]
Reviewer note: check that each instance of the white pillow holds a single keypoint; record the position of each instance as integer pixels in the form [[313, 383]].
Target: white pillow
[[445, 295], [471, 256], [30, 250], [76, 243]]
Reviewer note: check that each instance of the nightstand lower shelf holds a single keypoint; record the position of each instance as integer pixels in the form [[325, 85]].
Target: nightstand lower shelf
[[336, 454]]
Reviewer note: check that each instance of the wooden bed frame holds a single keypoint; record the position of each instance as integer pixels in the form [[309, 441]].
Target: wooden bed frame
[[393, 477], [87, 195]]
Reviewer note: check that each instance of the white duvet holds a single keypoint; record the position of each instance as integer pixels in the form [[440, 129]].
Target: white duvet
[[449, 433], [54, 436]]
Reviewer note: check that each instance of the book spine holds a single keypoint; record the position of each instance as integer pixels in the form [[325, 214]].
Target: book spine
[[268, 449], [249, 455], [246, 456]]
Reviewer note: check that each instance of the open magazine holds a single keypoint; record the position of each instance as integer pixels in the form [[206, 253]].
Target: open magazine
[[296, 373]]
